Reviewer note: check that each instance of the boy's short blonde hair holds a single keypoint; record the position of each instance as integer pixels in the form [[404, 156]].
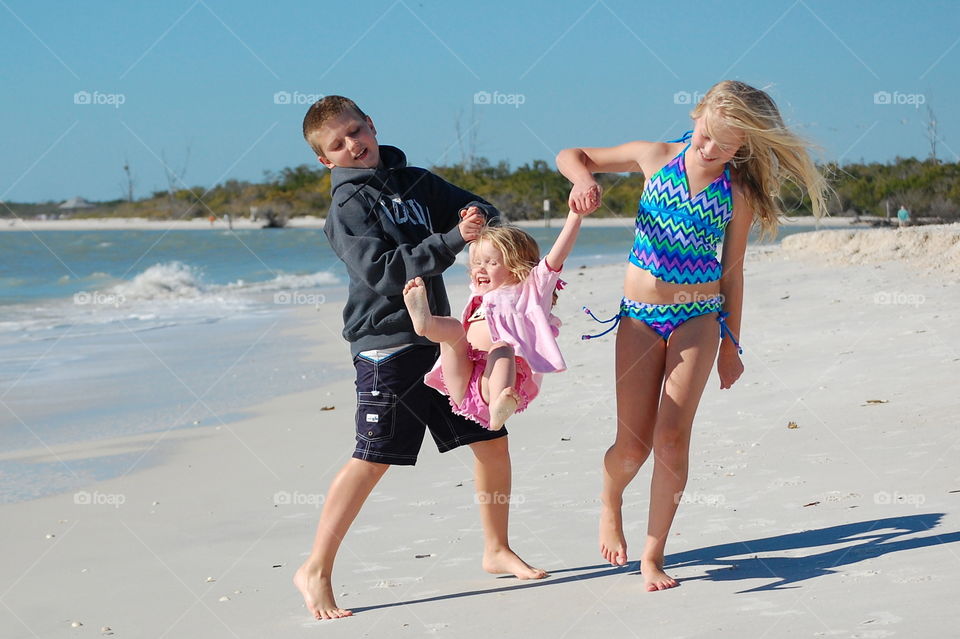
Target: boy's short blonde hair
[[323, 110]]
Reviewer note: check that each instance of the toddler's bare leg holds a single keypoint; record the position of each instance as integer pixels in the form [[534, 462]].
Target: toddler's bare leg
[[457, 368], [434, 328], [501, 377], [448, 332]]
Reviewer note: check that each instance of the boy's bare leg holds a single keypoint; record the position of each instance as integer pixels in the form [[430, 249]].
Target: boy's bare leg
[[493, 495], [350, 488], [448, 332], [501, 378]]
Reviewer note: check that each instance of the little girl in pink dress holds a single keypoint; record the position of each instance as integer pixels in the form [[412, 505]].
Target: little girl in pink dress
[[493, 359]]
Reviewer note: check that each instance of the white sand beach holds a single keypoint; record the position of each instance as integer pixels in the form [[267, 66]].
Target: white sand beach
[[823, 500]]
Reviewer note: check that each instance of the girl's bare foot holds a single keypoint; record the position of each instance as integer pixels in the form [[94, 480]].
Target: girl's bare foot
[[504, 561], [503, 407], [317, 594], [613, 545], [654, 576], [415, 297]]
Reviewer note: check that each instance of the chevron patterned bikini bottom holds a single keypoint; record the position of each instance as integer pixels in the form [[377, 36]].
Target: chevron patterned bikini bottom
[[665, 318]]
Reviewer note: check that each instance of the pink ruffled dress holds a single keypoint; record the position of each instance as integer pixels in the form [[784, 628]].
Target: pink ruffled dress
[[519, 315]]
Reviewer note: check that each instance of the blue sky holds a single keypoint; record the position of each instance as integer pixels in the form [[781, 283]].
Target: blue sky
[[88, 84]]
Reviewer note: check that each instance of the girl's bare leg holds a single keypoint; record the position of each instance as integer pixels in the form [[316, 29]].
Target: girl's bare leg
[[446, 331], [500, 378], [493, 495], [690, 355], [639, 370]]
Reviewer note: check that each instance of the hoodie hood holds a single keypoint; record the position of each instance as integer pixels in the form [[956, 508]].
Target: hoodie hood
[[391, 159]]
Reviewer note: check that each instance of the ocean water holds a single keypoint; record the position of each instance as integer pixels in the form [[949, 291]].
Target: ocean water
[[112, 333]]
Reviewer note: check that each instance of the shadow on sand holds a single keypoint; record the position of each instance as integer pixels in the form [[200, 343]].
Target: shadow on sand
[[739, 561]]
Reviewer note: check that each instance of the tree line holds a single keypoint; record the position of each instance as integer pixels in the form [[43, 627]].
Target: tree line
[[926, 188]]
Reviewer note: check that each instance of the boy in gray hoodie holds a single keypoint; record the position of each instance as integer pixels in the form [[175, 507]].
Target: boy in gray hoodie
[[390, 223]]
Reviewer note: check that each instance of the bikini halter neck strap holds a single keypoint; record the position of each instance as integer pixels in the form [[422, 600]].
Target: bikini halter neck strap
[[683, 138]]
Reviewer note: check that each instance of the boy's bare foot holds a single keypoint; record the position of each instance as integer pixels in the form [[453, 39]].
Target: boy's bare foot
[[415, 297], [654, 576], [317, 594], [503, 407], [613, 545], [506, 562]]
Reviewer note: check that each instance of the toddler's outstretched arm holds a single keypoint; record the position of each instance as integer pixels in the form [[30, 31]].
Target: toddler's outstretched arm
[[568, 237]]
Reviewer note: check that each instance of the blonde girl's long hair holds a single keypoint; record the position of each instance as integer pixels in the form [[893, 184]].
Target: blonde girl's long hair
[[771, 153]]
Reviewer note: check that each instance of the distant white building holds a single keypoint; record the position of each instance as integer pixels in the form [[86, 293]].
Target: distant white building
[[75, 203]]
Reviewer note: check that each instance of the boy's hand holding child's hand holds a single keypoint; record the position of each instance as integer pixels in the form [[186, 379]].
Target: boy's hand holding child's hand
[[585, 198], [472, 220]]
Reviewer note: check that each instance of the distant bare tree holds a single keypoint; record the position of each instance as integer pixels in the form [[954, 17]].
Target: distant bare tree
[[467, 140], [932, 136], [174, 179], [128, 180]]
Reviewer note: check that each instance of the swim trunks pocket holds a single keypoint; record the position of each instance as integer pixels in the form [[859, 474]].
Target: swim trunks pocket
[[376, 415]]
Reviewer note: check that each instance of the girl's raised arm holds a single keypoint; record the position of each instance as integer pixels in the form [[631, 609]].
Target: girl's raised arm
[[579, 164], [568, 237]]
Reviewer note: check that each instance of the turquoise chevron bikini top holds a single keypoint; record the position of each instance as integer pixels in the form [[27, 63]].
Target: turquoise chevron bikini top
[[676, 235]]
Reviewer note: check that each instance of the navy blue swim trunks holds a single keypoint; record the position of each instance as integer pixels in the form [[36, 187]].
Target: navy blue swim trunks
[[395, 407]]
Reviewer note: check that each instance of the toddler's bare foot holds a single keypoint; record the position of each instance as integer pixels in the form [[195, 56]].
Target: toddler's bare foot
[[613, 545], [504, 561], [415, 297], [317, 594], [503, 407], [654, 576]]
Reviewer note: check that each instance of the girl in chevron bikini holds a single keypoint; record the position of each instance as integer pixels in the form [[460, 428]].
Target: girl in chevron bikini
[[708, 187]]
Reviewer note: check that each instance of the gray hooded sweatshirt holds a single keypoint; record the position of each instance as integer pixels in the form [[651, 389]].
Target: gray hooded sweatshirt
[[389, 225]]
